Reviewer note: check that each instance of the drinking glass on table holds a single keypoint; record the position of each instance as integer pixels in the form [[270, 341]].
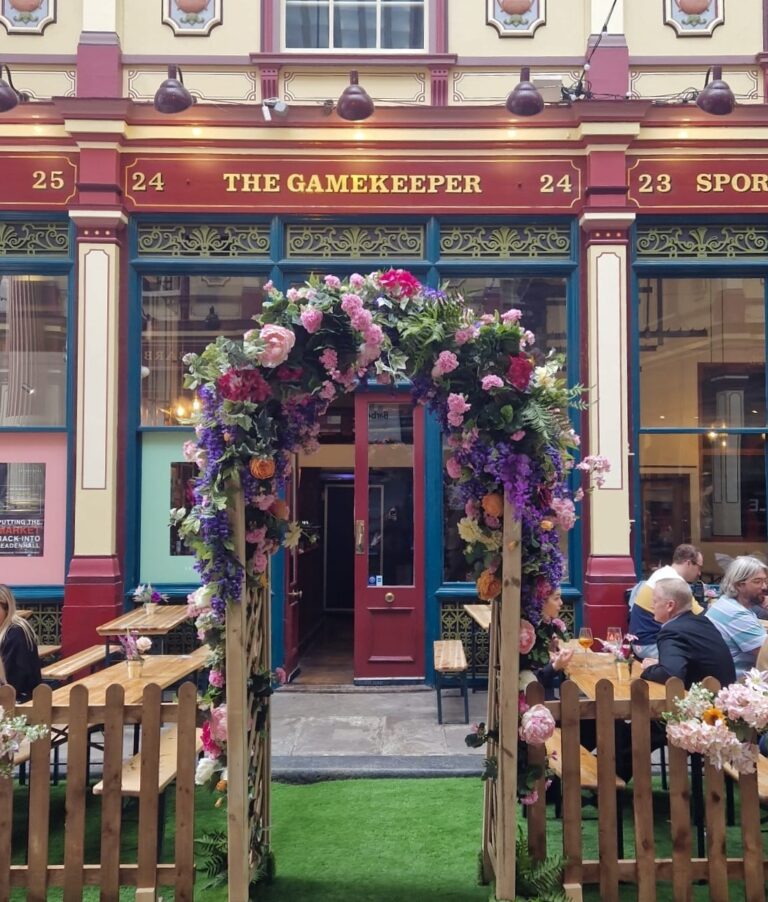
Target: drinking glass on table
[[585, 638], [614, 636]]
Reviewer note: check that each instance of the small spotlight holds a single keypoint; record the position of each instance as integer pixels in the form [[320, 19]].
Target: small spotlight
[[29, 389], [354, 103], [524, 99], [716, 98]]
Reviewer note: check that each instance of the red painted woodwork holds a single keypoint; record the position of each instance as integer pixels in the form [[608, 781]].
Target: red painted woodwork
[[698, 184], [35, 180], [389, 635], [608, 73], [365, 184], [99, 70], [606, 179], [606, 581], [93, 594]]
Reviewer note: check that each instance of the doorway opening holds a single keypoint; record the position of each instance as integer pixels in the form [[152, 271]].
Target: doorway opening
[[325, 568]]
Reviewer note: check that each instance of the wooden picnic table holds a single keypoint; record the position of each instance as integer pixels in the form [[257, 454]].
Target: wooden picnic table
[[481, 616], [587, 669], [159, 622], [47, 651], [164, 670]]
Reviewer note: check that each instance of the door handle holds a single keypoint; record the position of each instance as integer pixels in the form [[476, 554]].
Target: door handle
[[296, 594], [359, 536], [389, 597]]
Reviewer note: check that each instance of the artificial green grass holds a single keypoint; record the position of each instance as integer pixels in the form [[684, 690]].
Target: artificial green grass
[[413, 840]]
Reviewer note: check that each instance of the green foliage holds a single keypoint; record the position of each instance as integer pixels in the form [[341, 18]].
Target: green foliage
[[538, 881], [215, 855]]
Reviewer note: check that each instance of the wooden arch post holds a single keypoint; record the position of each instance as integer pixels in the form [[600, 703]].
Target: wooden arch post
[[248, 749], [500, 813]]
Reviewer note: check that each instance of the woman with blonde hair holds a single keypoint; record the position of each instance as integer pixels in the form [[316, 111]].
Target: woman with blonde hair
[[18, 648]]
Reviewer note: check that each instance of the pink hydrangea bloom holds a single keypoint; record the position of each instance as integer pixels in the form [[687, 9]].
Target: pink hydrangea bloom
[[512, 316], [457, 407], [356, 280], [446, 363], [489, 382], [219, 723], [527, 637], [329, 359], [464, 335], [565, 513], [537, 725], [311, 318], [332, 281]]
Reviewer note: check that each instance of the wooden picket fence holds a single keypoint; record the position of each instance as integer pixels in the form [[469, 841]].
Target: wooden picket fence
[[110, 873], [645, 869]]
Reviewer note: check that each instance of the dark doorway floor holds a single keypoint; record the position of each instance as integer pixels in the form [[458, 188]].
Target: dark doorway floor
[[329, 659]]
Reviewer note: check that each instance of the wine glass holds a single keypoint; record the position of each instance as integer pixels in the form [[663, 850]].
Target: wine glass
[[614, 637], [585, 638]]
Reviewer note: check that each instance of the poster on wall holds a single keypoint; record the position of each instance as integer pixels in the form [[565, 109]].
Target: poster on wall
[[22, 509], [183, 476]]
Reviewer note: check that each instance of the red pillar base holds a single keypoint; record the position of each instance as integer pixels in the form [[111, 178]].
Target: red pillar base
[[93, 594], [606, 580]]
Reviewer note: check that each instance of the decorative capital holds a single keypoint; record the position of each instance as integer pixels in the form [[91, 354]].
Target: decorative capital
[[98, 225], [607, 224]]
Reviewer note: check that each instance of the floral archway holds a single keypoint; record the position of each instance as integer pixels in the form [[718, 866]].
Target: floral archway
[[501, 402]]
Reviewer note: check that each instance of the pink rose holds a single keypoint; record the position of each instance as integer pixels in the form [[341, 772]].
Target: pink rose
[[537, 725], [527, 637], [278, 343], [216, 679], [311, 318], [332, 281], [446, 363], [453, 468], [457, 407], [219, 724]]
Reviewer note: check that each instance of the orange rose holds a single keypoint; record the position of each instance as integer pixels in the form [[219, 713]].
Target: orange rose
[[493, 504], [712, 715], [547, 525], [262, 467], [488, 586], [221, 786], [280, 509]]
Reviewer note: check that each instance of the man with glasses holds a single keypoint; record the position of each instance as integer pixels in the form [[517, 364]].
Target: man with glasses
[[687, 562], [742, 586]]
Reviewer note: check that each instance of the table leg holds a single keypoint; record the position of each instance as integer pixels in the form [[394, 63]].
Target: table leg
[[473, 646]]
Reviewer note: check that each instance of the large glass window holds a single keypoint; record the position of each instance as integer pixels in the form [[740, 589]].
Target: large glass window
[[542, 300], [702, 418], [183, 314], [354, 24], [33, 350]]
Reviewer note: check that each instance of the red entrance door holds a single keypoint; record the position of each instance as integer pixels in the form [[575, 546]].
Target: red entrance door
[[389, 537]]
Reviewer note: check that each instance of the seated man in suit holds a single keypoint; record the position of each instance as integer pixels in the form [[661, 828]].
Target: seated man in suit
[[690, 645]]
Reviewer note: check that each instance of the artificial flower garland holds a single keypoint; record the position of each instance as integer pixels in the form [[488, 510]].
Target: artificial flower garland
[[501, 402]]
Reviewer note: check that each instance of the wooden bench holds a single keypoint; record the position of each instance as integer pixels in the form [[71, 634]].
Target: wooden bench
[[130, 778], [47, 651], [587, 763], [450, 671], [61, 671]]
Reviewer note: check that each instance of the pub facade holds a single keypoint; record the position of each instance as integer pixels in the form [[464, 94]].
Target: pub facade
[[625, 217]]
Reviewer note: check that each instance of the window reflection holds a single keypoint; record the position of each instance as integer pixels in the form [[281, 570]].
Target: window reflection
[[183, 314], [33, 350], [705, 337], [541, 299]]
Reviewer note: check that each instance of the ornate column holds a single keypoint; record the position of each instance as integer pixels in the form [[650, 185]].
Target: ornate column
[[610, 569], [99, 71]]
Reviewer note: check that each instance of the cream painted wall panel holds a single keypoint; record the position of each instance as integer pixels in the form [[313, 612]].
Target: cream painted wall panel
[[60, 36], [745, 83], [608, 413], [565, 33], [42, 84], [96, 488], [101, 15], [648, 36], [306, 86], [476, 86], [143, 33], [205, 85]]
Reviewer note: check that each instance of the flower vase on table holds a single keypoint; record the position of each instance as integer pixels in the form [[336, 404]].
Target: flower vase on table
[[149, 608], [134, 667], [148, 597], [624, 670]]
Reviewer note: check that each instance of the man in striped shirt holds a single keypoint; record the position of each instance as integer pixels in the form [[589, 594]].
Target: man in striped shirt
[[743, 584]]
